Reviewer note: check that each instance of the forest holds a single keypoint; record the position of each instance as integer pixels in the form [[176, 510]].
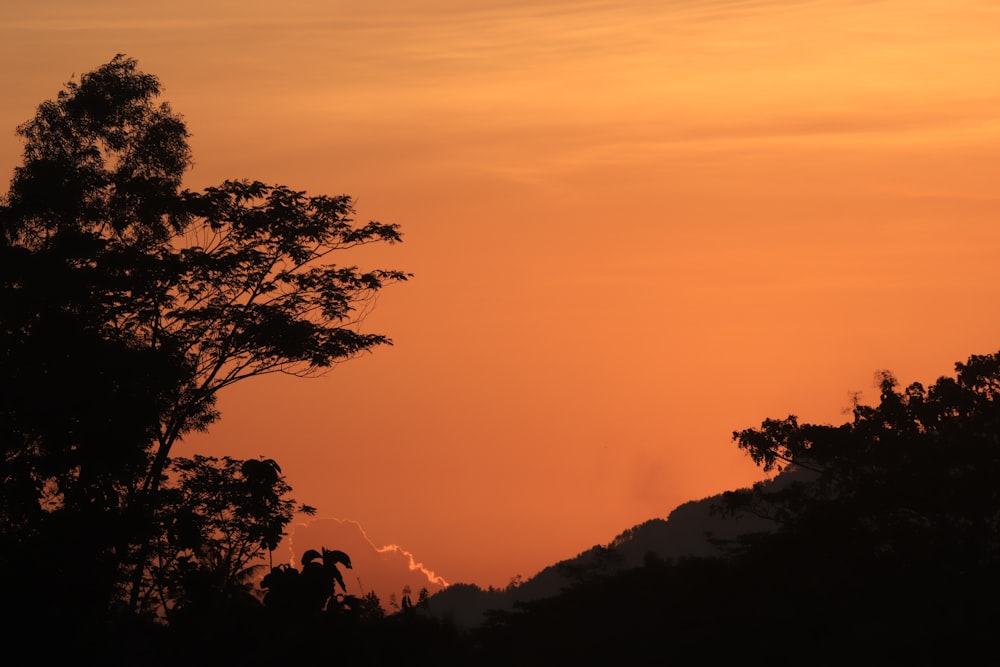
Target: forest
[[127, 303]]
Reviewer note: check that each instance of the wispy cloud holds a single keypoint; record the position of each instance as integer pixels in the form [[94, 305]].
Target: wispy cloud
[[412, 563], [385, 569]]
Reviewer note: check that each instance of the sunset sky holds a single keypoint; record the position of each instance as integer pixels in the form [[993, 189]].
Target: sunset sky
[[634, 227]]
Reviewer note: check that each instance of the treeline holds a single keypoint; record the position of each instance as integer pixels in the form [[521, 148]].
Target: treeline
[[884, 545]]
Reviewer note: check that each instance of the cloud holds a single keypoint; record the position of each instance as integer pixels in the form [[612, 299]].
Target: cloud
[[384, 569]]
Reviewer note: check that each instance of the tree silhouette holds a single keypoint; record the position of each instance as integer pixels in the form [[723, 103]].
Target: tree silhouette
[[129, 302], [216, 519], [307, 593], [891, 519], [885, 547], [918, 469]]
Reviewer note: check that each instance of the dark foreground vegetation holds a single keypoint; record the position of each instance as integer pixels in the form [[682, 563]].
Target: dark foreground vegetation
[[127, 303]]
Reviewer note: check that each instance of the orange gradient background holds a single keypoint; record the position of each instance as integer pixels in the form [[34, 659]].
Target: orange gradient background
[[634, 227]]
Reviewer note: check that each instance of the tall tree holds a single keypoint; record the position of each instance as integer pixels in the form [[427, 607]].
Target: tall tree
[[920, 462], [890, 521], [129, 302]]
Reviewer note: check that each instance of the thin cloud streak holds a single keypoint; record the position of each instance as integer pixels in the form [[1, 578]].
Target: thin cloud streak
[[349, 530], [414, 565]]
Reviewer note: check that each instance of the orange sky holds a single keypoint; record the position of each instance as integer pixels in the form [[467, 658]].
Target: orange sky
[[634, 226]]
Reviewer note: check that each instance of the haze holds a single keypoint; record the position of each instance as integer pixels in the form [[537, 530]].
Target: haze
[[634, 227]]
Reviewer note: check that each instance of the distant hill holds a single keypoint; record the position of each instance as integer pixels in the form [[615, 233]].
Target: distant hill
[[690, 530]]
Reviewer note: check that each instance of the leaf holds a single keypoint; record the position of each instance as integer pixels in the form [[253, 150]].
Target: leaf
[[309, 556], [333, 557]]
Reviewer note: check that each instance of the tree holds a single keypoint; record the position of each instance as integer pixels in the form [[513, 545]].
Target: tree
[[215, 521], [129, 303], [299, 595], [893, 515], [921, 460], [884, 548]]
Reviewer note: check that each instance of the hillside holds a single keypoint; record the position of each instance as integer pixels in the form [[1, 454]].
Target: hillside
[[691, 529]]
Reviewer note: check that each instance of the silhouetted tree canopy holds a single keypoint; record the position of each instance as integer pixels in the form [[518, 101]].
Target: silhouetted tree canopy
[[913, 477], [126, 304], [215, 520], [885, 547]]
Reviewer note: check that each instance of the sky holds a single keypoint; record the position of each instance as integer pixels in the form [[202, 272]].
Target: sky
[[634, 227]]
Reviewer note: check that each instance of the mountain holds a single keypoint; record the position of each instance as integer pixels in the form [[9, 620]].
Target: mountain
[[692, 529]]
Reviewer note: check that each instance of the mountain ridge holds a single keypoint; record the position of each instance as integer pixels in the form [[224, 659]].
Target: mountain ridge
[[692, 529]]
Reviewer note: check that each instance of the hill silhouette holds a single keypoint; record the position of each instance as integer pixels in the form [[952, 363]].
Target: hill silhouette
[[696, 528]]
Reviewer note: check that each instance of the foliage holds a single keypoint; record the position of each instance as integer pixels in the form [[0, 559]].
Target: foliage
[[885, 547], [129, 302], [216, 520], [313, 589], [914, 477]]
